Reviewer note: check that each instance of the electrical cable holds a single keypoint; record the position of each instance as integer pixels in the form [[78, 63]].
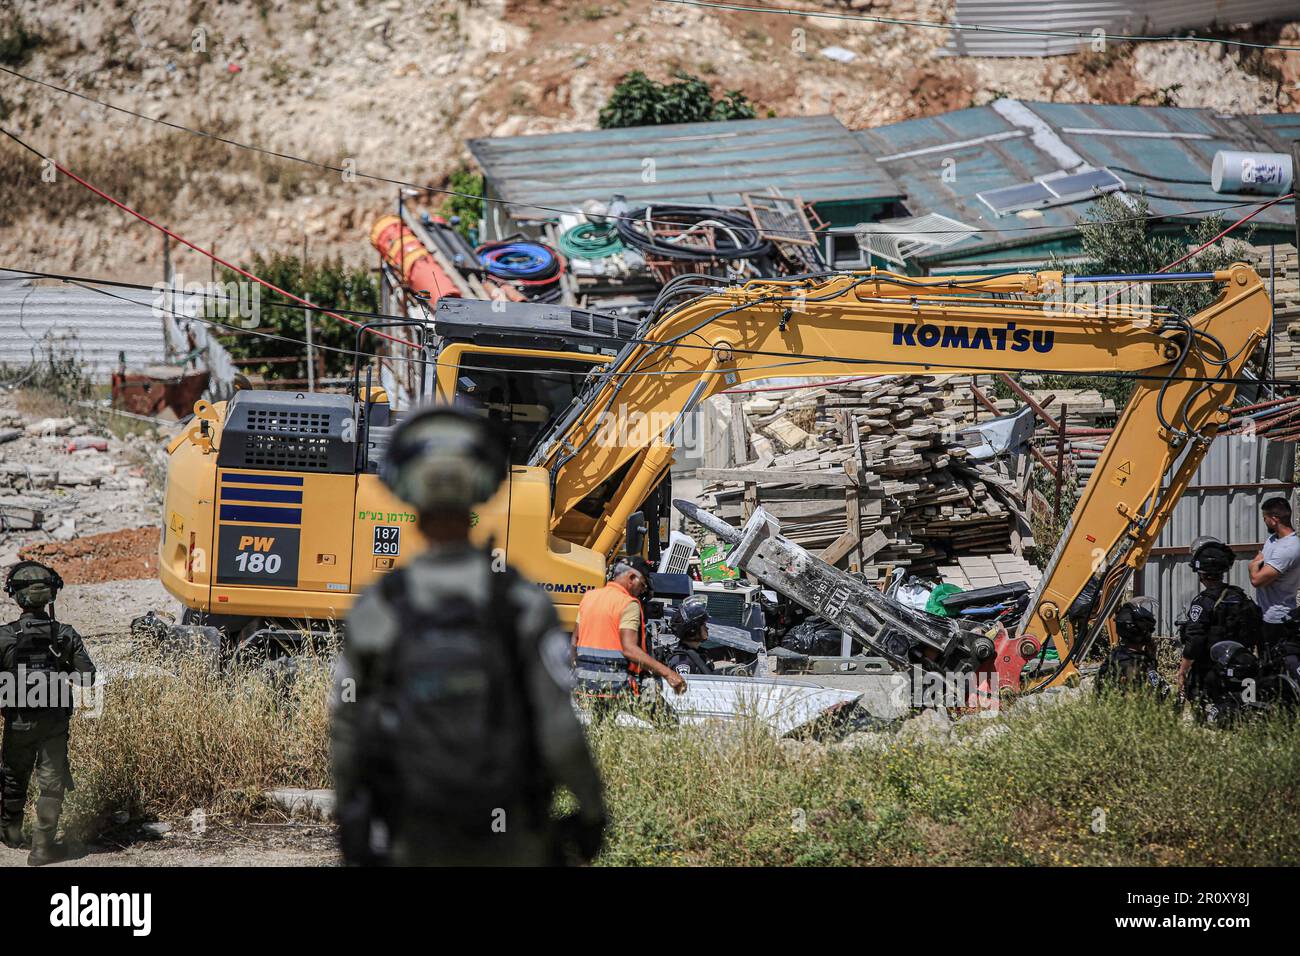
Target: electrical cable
[[197, 248], [742, 240], [352, 353], [1154, 178], [521, 262], [801, 358]]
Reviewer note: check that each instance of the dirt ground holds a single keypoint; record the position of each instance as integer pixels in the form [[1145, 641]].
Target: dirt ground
[[252, 844], [111, 556]]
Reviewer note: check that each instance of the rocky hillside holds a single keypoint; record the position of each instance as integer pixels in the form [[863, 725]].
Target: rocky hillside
[[378, 87]]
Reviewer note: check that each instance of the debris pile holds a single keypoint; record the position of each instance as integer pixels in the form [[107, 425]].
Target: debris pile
[[61, 477], [1279, 268], [874, 473], [608, 256]]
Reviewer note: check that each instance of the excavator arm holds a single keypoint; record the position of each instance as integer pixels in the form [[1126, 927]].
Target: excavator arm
[[617, 440]]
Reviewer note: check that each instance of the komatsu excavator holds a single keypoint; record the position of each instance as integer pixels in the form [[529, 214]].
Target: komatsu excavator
[[274, 515]]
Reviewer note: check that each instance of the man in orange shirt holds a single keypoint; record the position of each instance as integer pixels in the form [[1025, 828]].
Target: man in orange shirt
[[610, 649]]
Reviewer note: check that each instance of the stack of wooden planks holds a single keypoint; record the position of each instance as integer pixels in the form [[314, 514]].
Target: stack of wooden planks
[[873, 475], [972, 573]]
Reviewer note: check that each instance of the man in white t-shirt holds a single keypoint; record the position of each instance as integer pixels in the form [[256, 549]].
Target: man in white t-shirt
[[1275, 571]]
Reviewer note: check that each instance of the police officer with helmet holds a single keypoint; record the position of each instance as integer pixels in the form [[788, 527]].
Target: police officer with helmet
[[452, 722], [1283, 653], [690, 625], [1221, 611], [44, 658], [1132, 661]]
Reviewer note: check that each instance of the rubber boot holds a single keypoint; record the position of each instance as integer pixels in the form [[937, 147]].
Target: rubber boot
[[45, 848], [11, 821], [11, 835]]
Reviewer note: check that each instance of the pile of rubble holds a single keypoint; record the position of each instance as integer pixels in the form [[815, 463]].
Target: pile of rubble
[[875, 474], [61, 478]]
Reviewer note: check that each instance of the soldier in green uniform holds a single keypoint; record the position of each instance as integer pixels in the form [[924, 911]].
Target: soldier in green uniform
[[453, 722], [40, 659]]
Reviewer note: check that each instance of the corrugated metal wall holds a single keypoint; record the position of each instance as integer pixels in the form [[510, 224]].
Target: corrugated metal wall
[[75, 322], [39, 320], [1236, 477], [1081, 16]]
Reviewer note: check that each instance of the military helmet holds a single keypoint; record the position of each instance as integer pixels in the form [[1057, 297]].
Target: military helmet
[[1135, 622], [1211, 556], [32, 584], [445, 458], [688, 616]]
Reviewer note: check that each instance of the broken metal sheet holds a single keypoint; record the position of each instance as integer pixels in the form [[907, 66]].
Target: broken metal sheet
[[735, 638], [783, 704], [999, 435]]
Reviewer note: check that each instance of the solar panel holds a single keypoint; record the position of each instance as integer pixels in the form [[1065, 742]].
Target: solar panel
[[1010, 198], [1051, 191], [1083, 184]]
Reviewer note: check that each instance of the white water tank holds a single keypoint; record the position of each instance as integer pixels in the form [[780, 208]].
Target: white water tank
[[1267, 173]]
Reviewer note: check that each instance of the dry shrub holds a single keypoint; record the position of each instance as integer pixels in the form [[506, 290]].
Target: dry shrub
[[1116, 781], [177, 734], [1111, 781]]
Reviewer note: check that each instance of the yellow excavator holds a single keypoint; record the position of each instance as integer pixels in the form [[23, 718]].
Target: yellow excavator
[[275, 517]]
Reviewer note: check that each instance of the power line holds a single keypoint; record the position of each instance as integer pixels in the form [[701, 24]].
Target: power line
[[197, 248], [20, 274], [91, 285], [794, 359], [977, 27], [555, 209]]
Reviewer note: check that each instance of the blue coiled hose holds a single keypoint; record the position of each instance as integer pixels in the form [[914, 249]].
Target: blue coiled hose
[[520, 261]]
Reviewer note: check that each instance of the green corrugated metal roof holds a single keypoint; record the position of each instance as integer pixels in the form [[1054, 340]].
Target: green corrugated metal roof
[[943, 162], [814, 157]]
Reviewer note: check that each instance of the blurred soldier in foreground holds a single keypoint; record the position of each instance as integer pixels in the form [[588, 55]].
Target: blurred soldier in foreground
[[40, 660], [452, 719], [1132, 662]]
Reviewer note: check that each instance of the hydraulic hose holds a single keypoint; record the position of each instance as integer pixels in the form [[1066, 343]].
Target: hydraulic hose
[[590, 240], [524, 263], [735, 236]]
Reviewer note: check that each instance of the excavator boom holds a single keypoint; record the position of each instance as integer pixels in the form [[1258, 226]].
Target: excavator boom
[[616, 441]]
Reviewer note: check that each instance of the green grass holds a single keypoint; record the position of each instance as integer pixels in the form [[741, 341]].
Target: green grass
[[1115, 781], [1171, 793]]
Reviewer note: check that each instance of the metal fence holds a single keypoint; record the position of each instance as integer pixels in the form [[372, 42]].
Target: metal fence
[[1155, 17], [1238, 474]]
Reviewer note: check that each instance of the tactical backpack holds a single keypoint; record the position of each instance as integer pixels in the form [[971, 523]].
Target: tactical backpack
[[38, 650], [454, 717], [1236, 618], [1125, 665]]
